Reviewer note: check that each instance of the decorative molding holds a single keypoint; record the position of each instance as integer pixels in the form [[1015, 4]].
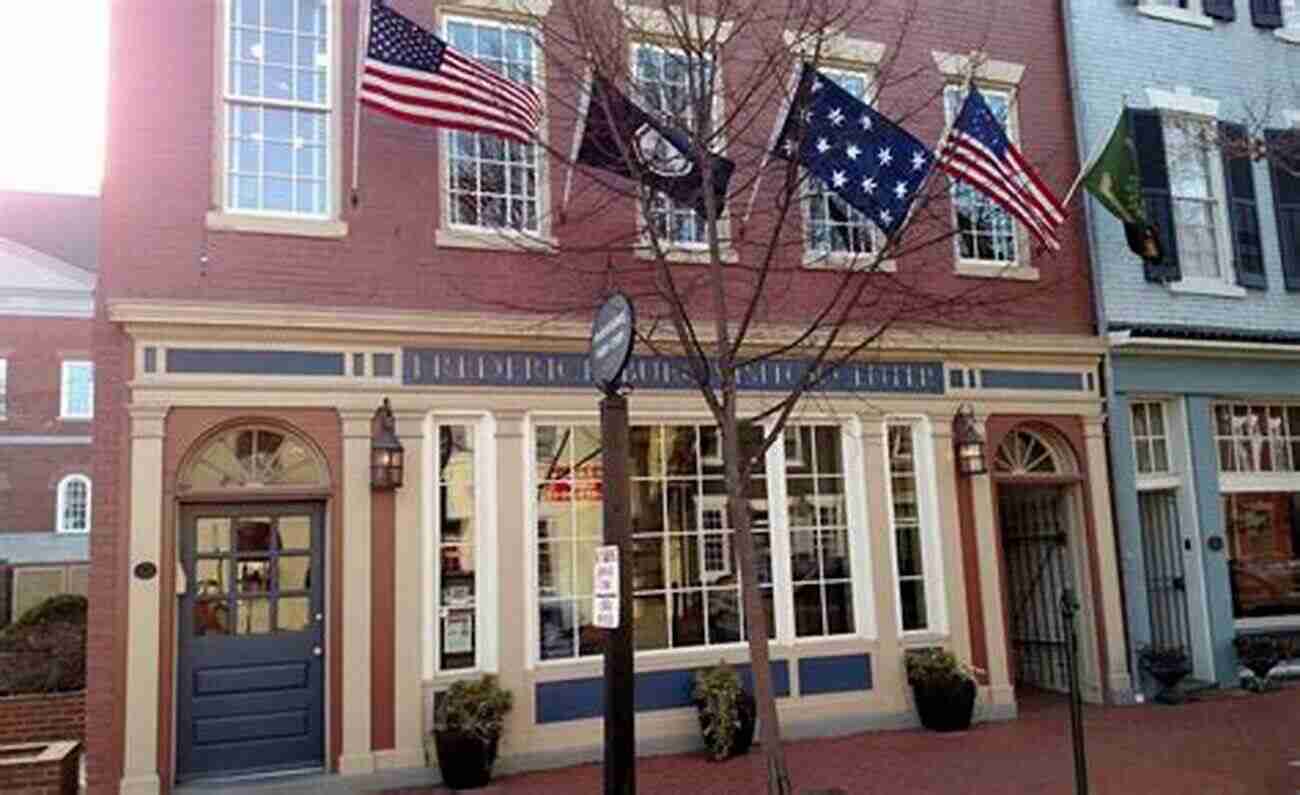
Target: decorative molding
[[516, 9], [1182, 100], [212, 361], [1213, 287], [655, 22], [683, 255], [836, 48], [958, 67], [48, 440], [993, 270], [1032, 379], [147, 420], [494, 240], [218, 221]]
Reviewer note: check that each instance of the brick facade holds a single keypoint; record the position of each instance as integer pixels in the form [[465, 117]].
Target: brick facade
[[156, 245], [52, 716], [39, 769]]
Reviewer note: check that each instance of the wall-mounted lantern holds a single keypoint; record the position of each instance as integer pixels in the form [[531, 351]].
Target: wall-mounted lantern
[[970, 445], [385, 451]]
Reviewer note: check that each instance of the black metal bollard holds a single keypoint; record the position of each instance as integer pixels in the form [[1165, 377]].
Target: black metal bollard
[[1070, 607]]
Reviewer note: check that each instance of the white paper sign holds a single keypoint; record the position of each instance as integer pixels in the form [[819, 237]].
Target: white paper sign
[[606, 588]]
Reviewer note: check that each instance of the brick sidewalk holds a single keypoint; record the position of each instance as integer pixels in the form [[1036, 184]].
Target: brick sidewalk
[[1231, 743]]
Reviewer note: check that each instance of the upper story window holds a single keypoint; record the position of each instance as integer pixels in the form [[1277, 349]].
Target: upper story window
[[77, 395], [277, 107], [4, 389], [986, 233], [836, 230], [492, 182], [1150, 438], [73, 511], [663, 81], [1195, 187], [1258, 437]]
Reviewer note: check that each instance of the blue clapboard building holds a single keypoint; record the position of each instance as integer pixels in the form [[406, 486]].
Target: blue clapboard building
[[1203, 375]]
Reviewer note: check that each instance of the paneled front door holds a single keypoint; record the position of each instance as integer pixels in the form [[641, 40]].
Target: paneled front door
[[250, 688]]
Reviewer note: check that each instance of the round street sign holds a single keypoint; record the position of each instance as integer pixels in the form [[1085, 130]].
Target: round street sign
[[611, 341]]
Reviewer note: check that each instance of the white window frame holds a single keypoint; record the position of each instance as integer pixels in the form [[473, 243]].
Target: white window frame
[[4, 389], [486, 591], [927, 505], [859, 540], [815, 190], [61, 503], [467, 236], [1290, 30], [1193, 15], [683, 251], [1172, 477], [1020, 268], [64, 393], [223, 217]]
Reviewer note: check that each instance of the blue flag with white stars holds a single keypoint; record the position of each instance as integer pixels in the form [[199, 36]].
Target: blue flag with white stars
[[862, 157]]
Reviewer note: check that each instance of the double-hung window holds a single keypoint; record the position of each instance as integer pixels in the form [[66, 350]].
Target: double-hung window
[[917, 564], [493, 183], [817, 518], [277, 108], [73, 505], [665, 79], [836, 231], [986, 233], [1150, 438], [457, 533], [77, 393], [1196, 191]]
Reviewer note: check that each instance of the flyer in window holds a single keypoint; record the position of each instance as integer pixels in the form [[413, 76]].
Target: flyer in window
[[458, 633]]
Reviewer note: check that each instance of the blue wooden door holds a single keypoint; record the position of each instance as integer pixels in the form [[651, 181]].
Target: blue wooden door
[[251, 664]]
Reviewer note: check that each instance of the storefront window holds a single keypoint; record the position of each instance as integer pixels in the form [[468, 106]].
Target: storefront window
[[905, 511], [686, 584], [457, 532], [1263, 531], [1258, 437]]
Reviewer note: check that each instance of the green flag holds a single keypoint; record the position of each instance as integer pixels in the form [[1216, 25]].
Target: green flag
[[1114, 178], [1113, 175]]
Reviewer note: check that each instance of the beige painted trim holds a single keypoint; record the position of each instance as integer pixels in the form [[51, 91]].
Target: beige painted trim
[[836, 49], [993, 270], [655, 23], [513, 571], [957, 67], [516, 9], [484, 239], [1183, 16], [407, 582], [144, 603], [1115, 679], [987, 543], [219, 322], [944, 487], [356, 756], [219, 221]]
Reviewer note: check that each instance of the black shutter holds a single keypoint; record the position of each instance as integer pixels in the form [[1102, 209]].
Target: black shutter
[[1220, 9], [1149, 136], [1243, 211], [1266, 13], [1284, 155]]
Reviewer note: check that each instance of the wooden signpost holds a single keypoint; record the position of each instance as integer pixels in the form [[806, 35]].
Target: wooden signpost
[[611, 347]]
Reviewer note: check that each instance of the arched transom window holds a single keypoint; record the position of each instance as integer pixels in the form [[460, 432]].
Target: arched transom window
[[1025, 452], [253, 457], [72, 514]]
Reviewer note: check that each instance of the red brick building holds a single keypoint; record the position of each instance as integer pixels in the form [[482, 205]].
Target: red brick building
[[48, 253], [256, 606]]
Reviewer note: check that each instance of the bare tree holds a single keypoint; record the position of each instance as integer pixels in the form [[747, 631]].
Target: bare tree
[[742, 302]]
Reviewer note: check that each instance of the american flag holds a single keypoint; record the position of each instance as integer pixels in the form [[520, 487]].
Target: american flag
[[414, 75], [979, 154]]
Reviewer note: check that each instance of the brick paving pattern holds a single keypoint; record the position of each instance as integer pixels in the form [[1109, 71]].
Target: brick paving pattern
[[1230, 743]]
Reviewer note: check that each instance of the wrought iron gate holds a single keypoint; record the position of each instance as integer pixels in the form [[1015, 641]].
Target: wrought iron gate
[[1162, 551], [1036, 547]]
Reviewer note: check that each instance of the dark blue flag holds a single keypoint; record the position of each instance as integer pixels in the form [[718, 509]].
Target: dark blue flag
[[660, 155], [864, 158]]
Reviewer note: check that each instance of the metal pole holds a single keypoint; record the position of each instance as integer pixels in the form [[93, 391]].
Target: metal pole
[[620, 715], [1070, 606]]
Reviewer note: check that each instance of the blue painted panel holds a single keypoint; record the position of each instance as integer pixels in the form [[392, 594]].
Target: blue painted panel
[[247, 728], [530, 369], [214, 361], [151, 359], [1218, 586], [1188, 375], [1031, 379], [211, 681], [383, 364], [837, 674], [575, 699], [957, 379]]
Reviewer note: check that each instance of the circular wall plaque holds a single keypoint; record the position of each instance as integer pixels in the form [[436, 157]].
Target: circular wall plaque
[[612, 335], [145, 570], [1215, 543]]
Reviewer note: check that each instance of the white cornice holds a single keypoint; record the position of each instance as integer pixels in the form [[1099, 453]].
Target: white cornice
[[1126, 342], [154, 320], [958, 67]]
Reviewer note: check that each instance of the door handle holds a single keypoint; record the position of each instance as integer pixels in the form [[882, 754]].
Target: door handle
[[317, 651]]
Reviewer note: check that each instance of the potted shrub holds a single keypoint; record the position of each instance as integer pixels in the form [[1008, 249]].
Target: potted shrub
[[1260, 654], [1167, 665], [943, 687], [727, 711], [467, 726]]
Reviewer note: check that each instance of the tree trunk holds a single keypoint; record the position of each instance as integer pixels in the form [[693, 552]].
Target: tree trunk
[[778, 778]]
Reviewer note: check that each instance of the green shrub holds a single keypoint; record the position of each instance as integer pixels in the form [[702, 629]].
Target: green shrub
[[937, 667], [476, 707], [717, 693]]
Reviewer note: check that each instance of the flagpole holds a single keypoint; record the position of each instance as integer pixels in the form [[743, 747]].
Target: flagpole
[[792, 86], [1096, 155], [579, 129], [363, 23]]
